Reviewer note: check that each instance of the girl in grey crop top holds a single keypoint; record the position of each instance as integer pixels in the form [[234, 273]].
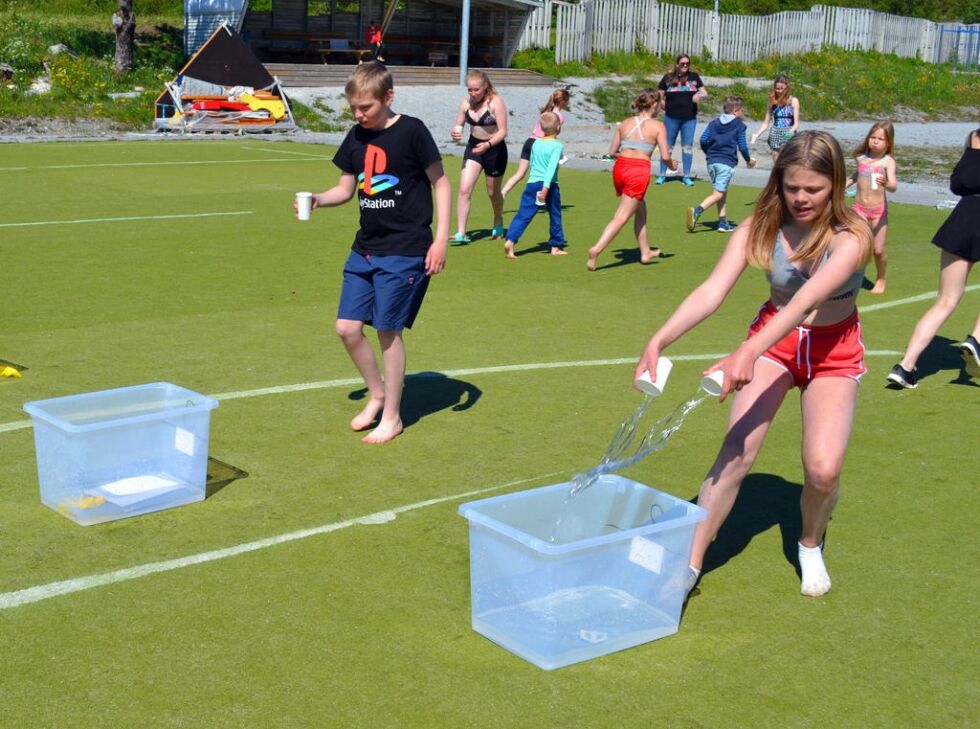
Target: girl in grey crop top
[[640, 144], [786, 278]]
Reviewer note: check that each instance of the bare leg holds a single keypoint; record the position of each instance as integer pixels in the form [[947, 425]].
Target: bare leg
[[751, 415], [496, 201], [627, 207], [522, 168], [722, 205], [953, 272], [713, 198], [828, 415], [393, 354], [361, 353], [467, 180], [881, 260], [640, 230]]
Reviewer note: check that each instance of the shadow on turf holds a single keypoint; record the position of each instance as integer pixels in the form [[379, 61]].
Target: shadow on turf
[[942, 354], [429, 392], [220, 474], [764, 501], [629, 256]]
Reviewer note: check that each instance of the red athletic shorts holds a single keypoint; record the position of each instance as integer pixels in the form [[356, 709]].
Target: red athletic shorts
[[631, 177], [809, 352]]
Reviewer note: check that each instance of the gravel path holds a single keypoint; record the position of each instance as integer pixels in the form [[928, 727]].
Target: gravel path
[[587, 135]]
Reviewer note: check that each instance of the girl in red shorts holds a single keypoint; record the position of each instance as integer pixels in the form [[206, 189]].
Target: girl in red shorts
[[633, 145], [814, 250]]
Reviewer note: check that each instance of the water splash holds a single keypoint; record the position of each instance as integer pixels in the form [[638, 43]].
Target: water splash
[[620, 454]]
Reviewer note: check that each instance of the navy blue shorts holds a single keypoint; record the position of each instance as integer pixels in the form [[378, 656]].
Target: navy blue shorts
[[383, 291]]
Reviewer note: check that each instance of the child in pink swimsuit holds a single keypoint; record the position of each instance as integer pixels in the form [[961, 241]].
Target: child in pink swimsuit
[[875, 174]]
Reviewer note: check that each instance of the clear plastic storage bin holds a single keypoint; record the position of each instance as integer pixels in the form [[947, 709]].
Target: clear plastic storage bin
[[558, 580], [116, 453]]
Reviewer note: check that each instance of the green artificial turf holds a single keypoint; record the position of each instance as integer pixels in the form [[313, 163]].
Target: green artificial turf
[[368, 625]]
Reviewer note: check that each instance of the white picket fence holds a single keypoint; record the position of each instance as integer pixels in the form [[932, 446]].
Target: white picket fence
[[577, 30]]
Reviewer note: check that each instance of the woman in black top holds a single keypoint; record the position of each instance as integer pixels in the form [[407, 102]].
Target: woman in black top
[[959, 240], [681, 89]]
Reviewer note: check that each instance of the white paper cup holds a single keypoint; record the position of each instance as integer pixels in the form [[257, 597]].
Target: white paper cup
[[304, 205], [713, 383], [648, 386]]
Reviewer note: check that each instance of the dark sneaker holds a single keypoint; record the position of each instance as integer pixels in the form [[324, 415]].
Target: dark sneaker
[[726, 226], [970, 352], [902, 377]]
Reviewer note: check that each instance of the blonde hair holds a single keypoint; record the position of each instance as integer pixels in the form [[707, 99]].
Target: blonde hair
[[783, 98], [474, 74], [549, 122], [559, 98], [821, 153], [887, 128], [370, 78]]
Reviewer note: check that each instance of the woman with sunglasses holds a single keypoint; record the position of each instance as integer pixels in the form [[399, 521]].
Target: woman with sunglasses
[[681, 88]]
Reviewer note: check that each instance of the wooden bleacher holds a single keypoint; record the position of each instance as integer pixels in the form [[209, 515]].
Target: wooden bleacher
[[322, 45]]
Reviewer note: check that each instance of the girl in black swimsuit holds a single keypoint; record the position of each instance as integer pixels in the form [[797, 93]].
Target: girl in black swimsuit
[[486, 150]]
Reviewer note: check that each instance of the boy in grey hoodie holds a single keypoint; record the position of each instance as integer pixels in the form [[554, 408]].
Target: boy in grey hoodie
[[721, 142]]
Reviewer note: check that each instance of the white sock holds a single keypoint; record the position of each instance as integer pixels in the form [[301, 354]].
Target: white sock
[[693, 573], [816, 580]]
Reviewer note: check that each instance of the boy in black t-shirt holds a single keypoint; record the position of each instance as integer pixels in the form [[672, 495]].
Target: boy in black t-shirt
[[393, 163]]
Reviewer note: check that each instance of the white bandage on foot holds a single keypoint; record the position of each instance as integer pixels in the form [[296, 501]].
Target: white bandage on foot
[[815, 580]]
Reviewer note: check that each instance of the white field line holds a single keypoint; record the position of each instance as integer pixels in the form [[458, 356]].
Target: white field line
[[351, 382], [37, 593], [175, 163], [909, 300], [308, 155], [126, 219]]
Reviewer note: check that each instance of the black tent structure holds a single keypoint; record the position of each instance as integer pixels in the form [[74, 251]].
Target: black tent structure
[[223, 87]]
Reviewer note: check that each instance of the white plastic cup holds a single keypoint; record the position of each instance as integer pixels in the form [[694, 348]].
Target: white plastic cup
[[458, 130], [713, 383], [304, 205], [874, 181], [648, 386], [540, 200]]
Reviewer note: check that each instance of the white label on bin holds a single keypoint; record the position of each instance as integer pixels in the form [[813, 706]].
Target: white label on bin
[[184, 442], [648, 555]]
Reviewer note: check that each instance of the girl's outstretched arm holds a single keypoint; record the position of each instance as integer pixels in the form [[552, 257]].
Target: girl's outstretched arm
[[700, 303]]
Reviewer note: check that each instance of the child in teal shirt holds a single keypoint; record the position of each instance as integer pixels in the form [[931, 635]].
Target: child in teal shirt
[[542, 189]]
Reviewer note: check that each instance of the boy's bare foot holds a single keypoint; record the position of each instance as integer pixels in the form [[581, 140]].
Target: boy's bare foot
[[655, 253], [509, 249], [386, 431], [879, 287], [593, 255], [556, 251], [364, 419]]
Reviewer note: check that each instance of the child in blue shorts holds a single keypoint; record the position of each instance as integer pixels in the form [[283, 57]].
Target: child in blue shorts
[[393, 164], [721, 142], [541, 189]]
